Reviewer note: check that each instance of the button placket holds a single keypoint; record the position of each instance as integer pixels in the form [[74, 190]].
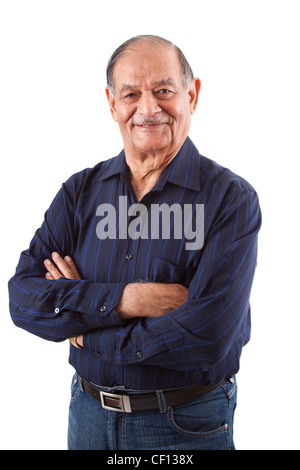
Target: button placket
[[131, 259]]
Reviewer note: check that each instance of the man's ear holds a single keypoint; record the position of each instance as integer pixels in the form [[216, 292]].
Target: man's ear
[[193, 91], [112, 103]]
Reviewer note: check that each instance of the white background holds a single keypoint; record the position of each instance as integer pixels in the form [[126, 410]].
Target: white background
[[55, 121]]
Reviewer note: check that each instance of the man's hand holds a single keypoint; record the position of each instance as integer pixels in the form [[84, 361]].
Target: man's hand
[[65, 267], [138, 299], [150, 300]]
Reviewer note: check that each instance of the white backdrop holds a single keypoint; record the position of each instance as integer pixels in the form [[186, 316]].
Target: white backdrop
[[55, 121]]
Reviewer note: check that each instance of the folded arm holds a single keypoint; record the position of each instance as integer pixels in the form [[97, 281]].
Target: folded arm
[[53, 306], [137, 300], [49, 298]]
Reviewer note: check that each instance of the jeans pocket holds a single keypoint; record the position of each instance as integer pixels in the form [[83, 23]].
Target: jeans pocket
[[182, 425], [199, 419], [76, 388], [208, 418]]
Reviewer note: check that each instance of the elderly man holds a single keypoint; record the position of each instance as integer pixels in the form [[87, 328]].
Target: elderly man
[[146, 263]]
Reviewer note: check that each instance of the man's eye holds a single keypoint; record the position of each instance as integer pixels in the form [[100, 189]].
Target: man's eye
[[130, 95], [165, 93]]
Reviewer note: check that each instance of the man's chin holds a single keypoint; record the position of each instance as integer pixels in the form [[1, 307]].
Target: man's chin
[[152, 143]]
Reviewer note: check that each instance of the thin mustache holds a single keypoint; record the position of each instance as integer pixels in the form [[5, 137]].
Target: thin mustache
[[149, 121]]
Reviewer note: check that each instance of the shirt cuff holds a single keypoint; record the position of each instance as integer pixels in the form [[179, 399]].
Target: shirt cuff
[[109, 345], [101, 301]]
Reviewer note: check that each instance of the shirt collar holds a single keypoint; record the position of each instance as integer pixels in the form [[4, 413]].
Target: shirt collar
[[184, 169], [113, 166]]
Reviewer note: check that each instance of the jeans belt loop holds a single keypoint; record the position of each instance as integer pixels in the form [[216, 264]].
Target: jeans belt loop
[[161, 401]]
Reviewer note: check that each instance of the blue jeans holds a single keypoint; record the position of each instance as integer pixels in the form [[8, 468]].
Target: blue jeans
[[203, 424]]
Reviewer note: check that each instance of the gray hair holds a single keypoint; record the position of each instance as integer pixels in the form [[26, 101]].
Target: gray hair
[[187, 73]]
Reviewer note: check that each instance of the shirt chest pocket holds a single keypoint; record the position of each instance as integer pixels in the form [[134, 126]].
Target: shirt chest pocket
[[167, 273]]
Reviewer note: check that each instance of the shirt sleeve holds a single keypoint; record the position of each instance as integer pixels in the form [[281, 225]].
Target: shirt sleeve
[[56, 310], [214, 323]]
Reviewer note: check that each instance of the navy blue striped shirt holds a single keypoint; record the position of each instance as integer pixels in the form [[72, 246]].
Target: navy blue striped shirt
[[198, 343]]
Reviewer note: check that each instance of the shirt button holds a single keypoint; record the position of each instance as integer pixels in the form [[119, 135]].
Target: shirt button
[[129, 256], [103, 308], [56, 310], [139, 354]]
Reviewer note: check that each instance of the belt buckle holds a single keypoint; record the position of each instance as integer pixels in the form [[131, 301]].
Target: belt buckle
[[122, 402]]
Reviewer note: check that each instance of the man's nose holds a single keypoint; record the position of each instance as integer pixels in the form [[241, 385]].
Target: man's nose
[[148, 104]]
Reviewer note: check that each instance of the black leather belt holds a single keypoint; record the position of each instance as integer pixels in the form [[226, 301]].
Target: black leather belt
[[147, 401]]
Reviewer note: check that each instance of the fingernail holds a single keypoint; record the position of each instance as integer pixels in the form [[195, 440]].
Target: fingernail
[[47, 262], [55, 255], [68, 258]]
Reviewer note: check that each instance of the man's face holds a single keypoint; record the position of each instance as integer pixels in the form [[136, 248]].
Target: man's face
[[151, 104]]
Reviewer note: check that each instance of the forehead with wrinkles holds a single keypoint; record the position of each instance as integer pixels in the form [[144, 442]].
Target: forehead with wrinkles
[[144, 45], [147, 66]]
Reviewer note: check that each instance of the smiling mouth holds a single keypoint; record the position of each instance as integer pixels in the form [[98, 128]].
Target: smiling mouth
[[153, 125]]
